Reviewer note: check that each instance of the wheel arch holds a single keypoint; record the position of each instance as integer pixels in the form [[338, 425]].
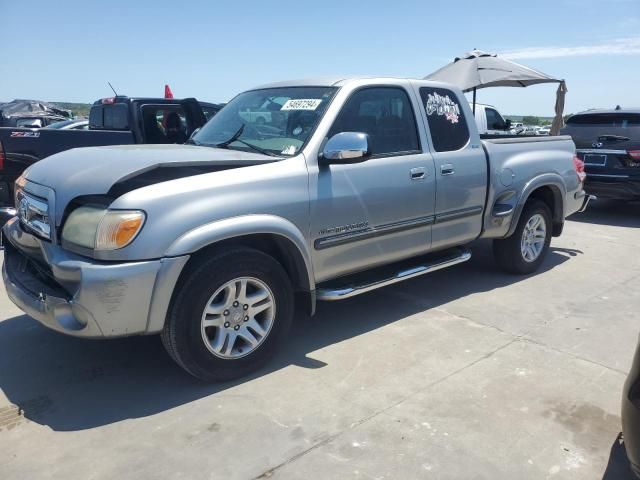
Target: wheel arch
[[549, 189], [270, 234]]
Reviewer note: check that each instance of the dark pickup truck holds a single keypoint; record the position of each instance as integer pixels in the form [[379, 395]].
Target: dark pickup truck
[[117, 120]]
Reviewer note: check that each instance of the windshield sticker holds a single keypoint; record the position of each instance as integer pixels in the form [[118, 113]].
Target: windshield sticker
[[443, 106], [301, 104], [290, 150]]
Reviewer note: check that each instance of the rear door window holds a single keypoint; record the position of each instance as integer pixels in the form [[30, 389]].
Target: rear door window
[[447, 123], [164, 124], [494, 119], [109, 117], [385, 114]]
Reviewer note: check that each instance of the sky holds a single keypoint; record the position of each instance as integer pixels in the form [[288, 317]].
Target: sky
[[212, 50]]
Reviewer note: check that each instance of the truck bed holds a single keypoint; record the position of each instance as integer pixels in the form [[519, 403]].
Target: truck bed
[[514, 169], [25, 146]]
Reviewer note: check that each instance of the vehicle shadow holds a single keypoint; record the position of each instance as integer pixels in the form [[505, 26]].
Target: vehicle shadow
[[74, 384], [618, 467], [610, 212]]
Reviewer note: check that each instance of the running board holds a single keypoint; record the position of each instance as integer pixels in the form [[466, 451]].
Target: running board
[[351, 289]]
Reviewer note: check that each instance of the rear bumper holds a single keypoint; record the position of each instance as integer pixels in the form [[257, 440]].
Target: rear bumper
[[631, 415], [620, 188], [85, 298], [578, 202]]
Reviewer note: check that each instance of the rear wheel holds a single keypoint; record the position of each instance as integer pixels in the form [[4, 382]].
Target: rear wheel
[[524, 251], [229, 314]]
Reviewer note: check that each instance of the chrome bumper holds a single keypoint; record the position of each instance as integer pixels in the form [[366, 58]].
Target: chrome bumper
[[585, 203], [80, 297]]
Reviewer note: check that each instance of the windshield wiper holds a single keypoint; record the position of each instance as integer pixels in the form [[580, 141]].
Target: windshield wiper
[[257, 149], [236, 138], [231, 139]]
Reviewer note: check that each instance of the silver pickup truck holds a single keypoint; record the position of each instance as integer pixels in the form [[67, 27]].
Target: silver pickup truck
[[351, 185]]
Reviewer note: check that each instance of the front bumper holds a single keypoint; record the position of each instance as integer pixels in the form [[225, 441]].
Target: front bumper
[[83, 297], [631, 415]]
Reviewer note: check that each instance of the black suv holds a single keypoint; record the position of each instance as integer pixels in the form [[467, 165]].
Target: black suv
[[608, 141]]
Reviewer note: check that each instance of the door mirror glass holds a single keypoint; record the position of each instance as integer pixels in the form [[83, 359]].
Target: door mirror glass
[[346, 147]]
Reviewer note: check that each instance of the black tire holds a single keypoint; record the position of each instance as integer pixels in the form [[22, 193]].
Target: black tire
[[507, 251], [182, 336]]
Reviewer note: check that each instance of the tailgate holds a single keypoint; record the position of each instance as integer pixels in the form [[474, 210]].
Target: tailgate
[[604, 142]]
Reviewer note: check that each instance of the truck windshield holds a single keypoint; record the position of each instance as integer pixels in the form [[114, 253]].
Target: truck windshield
[[275, 120]]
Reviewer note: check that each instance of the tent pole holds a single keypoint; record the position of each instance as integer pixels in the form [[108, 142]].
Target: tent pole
[[474, 102]]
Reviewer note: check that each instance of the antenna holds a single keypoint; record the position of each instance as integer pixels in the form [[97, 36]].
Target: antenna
[[114, 90]]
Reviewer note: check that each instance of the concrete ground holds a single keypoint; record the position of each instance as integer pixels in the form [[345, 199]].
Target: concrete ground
[[464, 374]]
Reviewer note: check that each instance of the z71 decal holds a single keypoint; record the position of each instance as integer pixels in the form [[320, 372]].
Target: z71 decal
[[25, 134], [443, 106]]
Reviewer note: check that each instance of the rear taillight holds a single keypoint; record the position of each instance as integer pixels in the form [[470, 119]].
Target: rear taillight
[[1, 156], [635, 154], [579, 166]]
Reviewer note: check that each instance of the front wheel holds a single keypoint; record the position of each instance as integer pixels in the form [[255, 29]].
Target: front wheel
[[524, 251], [229, 314]]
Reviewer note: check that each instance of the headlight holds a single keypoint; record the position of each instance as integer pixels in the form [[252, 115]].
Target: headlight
[[98, 228]]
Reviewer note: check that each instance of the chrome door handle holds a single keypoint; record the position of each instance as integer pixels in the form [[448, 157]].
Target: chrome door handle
[[417, 173], [447, 169]]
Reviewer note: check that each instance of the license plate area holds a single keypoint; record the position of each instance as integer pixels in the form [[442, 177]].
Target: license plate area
[[596, 160]]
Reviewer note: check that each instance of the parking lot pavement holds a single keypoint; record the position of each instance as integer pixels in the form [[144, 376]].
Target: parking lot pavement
[[466, 373]]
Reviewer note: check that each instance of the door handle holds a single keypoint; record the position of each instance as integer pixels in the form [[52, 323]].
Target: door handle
[[417, 173], [447, 169]]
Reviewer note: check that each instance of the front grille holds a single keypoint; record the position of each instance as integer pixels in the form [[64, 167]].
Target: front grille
[[33, 213]]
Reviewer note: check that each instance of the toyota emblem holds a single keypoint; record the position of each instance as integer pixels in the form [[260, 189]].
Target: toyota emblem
[[596, 144]]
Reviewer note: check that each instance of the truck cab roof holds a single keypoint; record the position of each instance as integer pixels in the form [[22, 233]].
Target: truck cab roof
[[155, 100], [339, 81]]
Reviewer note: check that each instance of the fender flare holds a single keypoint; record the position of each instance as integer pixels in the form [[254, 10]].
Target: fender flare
[[552, 180], [228, 228]]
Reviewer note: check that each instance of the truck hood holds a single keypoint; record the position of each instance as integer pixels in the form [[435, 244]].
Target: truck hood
[[115, 170]]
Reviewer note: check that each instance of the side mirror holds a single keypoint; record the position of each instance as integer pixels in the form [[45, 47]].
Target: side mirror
[[507, 125], [345, 148]]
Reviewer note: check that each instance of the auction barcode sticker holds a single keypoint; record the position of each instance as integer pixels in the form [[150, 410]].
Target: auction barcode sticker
[[301, 104]]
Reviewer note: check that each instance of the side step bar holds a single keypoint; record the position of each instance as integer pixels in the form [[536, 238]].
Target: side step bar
[[329, 293]]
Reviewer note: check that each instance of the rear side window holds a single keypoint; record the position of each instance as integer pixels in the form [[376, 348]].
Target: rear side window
[[446, 119], [109, 117], [494, 119], [620, 120], [385, 114]]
